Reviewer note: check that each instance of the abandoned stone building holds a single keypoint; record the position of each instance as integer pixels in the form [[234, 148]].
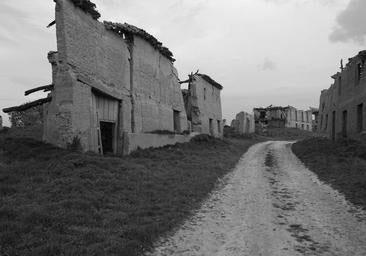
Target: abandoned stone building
[[203, 104], [283, 117], [342, 107], [115, 89], [243, 123]]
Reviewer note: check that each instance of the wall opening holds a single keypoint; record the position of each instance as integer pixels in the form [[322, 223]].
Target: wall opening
[[107, 132], [360, 117], [211, 127], [359, 72], [344, 123], [333, 124], [339, 86], [219, 126], [176, 116]]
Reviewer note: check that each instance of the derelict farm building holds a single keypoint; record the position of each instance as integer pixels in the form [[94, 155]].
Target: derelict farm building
[[110, 81], [115, 89], [203, 105], [342, 107], [283, 117]]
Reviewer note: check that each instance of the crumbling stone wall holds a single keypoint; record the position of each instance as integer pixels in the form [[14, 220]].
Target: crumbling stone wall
[[244, 123], [342, 110], [93, 62], [204, 105]]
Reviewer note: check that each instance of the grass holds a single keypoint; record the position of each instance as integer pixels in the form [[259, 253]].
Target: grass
[[59, 202], [341, 164]]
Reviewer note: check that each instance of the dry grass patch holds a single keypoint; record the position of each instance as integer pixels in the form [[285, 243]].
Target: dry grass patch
[[341, 164], [58, 202]]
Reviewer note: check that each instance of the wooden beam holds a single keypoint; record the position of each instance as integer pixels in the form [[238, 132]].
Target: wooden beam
[[45, 88]]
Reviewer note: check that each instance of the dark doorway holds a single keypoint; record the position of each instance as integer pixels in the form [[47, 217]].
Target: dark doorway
[[176, 121], [344, 124], [360, 117], [211, 126], [107, 135], [333, 124]]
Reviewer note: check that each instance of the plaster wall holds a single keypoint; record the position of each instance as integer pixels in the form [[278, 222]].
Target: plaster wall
[[244, 123], [205, 107]]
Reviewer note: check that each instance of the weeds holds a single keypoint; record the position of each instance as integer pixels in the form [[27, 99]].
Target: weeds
[[62, 202]]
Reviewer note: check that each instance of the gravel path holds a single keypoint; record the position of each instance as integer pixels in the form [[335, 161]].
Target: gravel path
[[271, 205]]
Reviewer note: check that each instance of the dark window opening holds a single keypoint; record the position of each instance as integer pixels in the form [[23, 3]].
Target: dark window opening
[[339, 86], [360, 118], [218, 126], [326, 122], [176, 116], [296, 115], [303, 126], [359, 72], [344, 124], [107, 137]]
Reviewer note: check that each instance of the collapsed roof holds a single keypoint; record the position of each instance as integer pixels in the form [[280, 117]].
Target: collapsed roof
[[126, 28], [88, 7]]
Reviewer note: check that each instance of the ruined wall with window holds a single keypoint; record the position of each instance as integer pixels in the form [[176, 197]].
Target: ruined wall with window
[[342, 107], [283, 117], [110, 80], [203, 105]]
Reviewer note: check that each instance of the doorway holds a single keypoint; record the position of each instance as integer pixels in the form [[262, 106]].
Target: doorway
[[176, 117], [107, 132], [344, 124], [211, 127], [333, 124]]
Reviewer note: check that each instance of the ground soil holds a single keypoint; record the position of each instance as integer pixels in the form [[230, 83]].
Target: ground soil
[[270, 205], [341, 164]]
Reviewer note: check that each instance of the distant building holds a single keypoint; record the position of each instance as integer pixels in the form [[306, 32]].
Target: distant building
[[203, 105], [243, 123], [283, 117], [342, 107]]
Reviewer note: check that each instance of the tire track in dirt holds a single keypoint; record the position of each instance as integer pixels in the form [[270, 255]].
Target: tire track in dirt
[[269, 205]]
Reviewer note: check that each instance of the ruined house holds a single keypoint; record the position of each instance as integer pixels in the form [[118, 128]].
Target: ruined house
[[203, 104], [114, 86], [342, 107], [283, 117], [243, 123]]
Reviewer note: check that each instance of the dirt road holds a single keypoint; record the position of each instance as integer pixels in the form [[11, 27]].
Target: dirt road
[[271, 205]]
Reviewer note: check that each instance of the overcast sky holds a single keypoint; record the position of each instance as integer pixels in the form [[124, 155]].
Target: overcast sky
[[263, 52]]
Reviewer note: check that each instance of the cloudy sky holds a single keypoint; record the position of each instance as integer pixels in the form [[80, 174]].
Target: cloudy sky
[[263, 52]]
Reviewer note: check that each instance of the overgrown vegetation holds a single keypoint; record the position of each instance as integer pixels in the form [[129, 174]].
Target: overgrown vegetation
[[60, 202], [341, 164]]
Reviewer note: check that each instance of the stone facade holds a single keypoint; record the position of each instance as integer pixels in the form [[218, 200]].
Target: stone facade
[[203, 105], [107, 79], [283, 117], [342, 107], [243, 123]]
